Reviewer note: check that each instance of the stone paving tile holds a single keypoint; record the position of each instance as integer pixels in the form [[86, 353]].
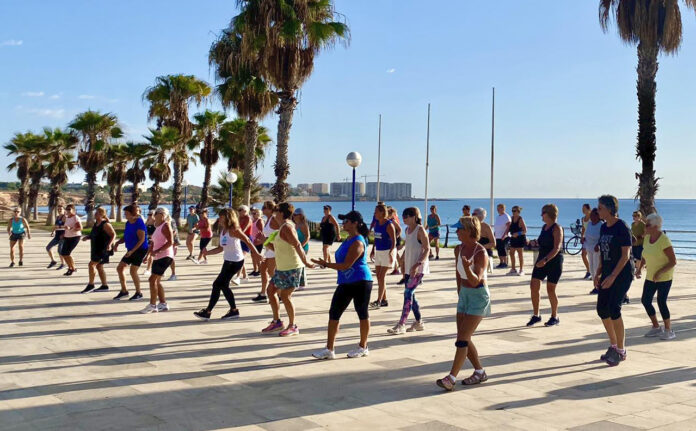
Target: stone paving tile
[[293, 424], [432, 426], [603, 426]]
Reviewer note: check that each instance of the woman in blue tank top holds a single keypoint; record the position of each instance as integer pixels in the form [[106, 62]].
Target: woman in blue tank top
[[17, 229], [354, 283]]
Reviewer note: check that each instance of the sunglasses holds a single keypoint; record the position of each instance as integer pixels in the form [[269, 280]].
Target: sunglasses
[[515, 211]]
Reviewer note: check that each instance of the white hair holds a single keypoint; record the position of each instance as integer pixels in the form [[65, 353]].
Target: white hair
[[655, 220], [165, 212], [480, 211]]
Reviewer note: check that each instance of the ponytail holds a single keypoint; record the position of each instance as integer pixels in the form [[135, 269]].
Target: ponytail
[[363, 229]]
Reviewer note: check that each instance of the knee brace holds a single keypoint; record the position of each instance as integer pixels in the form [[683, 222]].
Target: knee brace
[[461, 343]]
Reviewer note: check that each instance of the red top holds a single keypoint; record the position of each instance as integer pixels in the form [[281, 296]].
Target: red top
[[204, 226]]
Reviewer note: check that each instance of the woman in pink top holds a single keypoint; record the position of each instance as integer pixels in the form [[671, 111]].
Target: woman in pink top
[[73, 233], [206, 235], [256, 236], [163, 256]]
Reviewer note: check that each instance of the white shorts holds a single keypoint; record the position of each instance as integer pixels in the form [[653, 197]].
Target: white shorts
[[382, 258], [268, 253]]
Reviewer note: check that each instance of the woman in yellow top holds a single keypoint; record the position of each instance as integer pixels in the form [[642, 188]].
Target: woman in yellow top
[[659, 260]]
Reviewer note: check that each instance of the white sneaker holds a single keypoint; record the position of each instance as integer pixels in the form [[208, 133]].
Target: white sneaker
[[236, 281], [203, 262], [521, 273], [172, 278], [358, 353], [162, 306], [299, 288], [417, 326], [324, 354], [194, 260], [655, 332], [244, 280], [512, 272], [397, 329], [668, 335], [149, 308], [147, 273]]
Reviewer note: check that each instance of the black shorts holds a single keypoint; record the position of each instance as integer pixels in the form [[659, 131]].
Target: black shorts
[[551, 271], [518, 241], [359, 292], [69, 245], [328, 239], [55, 241], [502, 246], [17, 236], [609, 300], [204, 243], [259, 247], [637, 252], [245, 248], [160, 265], [99, 256], [136, 258]]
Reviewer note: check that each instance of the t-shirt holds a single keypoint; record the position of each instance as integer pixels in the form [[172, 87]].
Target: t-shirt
[[204, 226], [611, 240], [500, 223], [130, 235], [592, 232], [191, 221], [638, 231], [655, 258]]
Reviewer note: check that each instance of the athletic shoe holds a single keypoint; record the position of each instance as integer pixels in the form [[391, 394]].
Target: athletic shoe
[[52, 264], [69, 272], [668, 335], [446, 383], [594, 291], [534, 320], [613, 358], [102, 288], [260, 298], [384, 303], [587, 276], [172, 278], [290, 331], [120, 295], [604, 356], [374, 305], [21, 263], [244, 280], [553, 321], [231, 315], [655, 332], [396, 272], [203, 314], [402, 281], [431, 256], [147, 273], [398, 329], [194, 260], [300, 288], [136, 296], [162, 306], [521, 273], [417, 326], [189, 257], [11, 264], [61, 266], [89, 288], [235, 281], [626, 300], [437, 257], [255, 274], [359, 352], [149, 308], [512, 272], [203, 262], [324, 354], [475, 378], [275, 326]]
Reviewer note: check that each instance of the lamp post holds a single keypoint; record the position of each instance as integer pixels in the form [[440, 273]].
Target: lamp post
[[231, 178], [353, 159], [185, 184]]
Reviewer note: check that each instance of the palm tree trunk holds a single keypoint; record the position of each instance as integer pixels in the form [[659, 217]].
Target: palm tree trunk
[[135, 193], [206, 185], [112, 201], [176, 192], [89, 199], [33, 197], [156, 195], [250, 138], [53, 196], [288, 102], [119, 202], [647, 146]]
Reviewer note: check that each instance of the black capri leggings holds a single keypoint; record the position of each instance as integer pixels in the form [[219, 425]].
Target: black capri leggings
[[662, 289], [609, 300], [222, 283], [358, 291], [501, 246]]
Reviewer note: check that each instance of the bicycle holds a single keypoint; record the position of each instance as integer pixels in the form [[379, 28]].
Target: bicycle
[[574, 244]]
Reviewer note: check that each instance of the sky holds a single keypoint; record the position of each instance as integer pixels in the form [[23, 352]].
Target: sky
[[566, 106]]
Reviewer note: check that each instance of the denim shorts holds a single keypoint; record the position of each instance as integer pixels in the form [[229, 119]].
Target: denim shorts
[[474, 301]]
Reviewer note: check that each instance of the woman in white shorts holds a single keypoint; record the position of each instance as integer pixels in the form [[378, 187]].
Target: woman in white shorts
[[383, 252], [590, 244]]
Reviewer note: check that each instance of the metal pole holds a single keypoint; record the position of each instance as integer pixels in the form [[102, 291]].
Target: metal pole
[[492, 155], [185, 192], [231, 185], [352, 208], [427, 162], [379, 153]]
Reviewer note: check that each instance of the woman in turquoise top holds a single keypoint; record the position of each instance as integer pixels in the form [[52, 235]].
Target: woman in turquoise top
[[354, 283], [434, 223], [16, 229]]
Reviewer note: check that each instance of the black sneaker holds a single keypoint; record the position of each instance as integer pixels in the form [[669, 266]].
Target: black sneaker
[[374, 305], [260, 298], [102, 288], [626, 300], [587, 276], [69, 272], [384, 303], [52, 264], [61, 266], [231, 315], [553, 321], [503, 265], [604, 356], [534, 320], [136, 296], [120, 295], [612, 358], [437, 257], [255, 274], [89, 288], [203, 314], [21, 263], [402, 281], [594, 291], [11, 264]]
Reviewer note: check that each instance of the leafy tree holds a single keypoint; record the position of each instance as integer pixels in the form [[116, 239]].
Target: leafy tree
[[137, 155], [207, 127], [61, 145], [163, 143], [21, 146]]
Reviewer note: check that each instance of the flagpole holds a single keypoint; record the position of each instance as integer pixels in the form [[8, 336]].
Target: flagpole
[[379, 153], [427, 163], [492, 155]]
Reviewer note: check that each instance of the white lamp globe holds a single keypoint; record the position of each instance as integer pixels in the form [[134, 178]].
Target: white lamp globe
[[353, 159], [231, 177], [185, 183]]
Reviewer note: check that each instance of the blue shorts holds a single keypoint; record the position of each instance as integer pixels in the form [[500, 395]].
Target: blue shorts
[[434, 233], [474, 301]]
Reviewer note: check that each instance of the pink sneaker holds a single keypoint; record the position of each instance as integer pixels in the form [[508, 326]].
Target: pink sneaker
[[275, 326], [290, 330]]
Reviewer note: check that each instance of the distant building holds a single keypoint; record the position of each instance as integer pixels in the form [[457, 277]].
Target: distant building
[[388, 191], [346, 189], [305, 187], [320, 188]]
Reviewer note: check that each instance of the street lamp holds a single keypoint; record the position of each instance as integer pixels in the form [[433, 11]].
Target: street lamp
[[353, 159], [185, 184], [231, 178]]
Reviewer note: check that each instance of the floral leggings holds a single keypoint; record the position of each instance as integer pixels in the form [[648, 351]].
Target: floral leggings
[[410, 303]]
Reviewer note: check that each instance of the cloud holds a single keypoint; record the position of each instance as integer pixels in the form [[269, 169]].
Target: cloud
[[11, 42], [55, 97], [33, 94], [392, 70], [85, 96], [46, 112]]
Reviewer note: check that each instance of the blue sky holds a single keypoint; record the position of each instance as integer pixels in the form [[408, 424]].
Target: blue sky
[[566, 104]]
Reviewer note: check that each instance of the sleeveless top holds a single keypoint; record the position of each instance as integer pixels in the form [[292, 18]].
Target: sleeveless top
[[546, 242], [247, 231], [515, 226], [60, 222], [432, 223], [17, 226], [71, 222], [255, 229], [231, 247], [204, 226], [382, 238], [285, 255], [327, 229], [359, 271], [462, 271], [301, 237], [158, 240], [412, 251], [99, 237]]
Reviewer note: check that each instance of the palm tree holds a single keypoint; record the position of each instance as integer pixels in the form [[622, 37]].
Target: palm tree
[[655, 26], [220, 192], [61, 160], [207, 129], [163, 143], [137, 154], [232, 146], [37, 169], [115, 175], [96, 130], [169, 102], [20, 146]]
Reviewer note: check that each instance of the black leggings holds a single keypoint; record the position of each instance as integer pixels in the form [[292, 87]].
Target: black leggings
[[358, 291], [222, 283], [609, 300], [662, 289]]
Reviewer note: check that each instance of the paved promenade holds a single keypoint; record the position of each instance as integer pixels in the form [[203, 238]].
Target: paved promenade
[[84, 362]]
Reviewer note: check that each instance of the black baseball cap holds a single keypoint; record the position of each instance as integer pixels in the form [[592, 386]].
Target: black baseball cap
[[353, 216]]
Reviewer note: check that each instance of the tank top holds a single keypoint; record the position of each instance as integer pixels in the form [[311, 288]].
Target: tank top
[[99, 237], [382, 238], [359, 271], [432, 223], [255, 229], [204, 226], [301, 237], [158, 240], [267, 229], [17, 226], [231, 247], [462, 271], [60, 222], [71, 222], [285, 255], [327, 229], [515, 226], [546, 242], [412, 251]]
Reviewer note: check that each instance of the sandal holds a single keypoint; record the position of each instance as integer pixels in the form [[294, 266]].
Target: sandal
[[475, 379]]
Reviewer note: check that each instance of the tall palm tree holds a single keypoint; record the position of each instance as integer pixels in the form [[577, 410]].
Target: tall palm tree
[[207, 127], [96, 131], [231, 144], [61, 160], [37, 169], [163, 143], [137, 154], [169, 100], [655, 26], [115, 175], [220, 192], [20, 146]]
